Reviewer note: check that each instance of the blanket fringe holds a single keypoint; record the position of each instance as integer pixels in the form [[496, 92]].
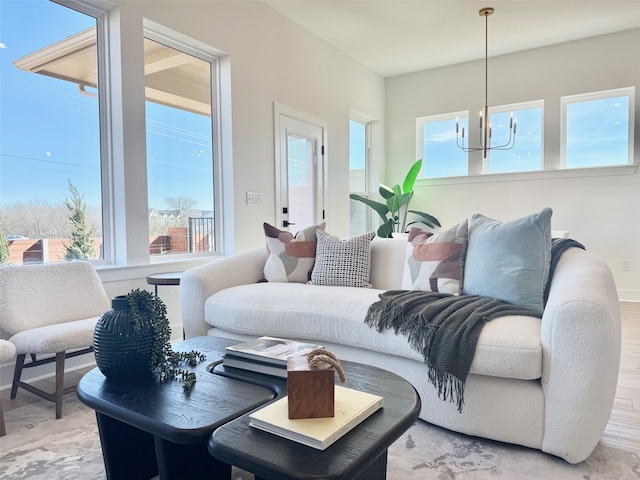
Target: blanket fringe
[[449, 386]]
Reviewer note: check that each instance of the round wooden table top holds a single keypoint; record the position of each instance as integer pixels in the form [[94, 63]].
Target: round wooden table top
[[164, 278]]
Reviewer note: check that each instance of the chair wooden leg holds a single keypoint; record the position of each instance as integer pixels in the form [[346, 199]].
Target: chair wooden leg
[[17, 373], [60, 356], [3, 430]]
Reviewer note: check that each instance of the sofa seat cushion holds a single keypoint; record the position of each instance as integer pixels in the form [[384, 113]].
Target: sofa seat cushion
[[508, 347]]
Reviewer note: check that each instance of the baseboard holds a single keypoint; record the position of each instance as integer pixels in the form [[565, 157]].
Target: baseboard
[[629, 295]]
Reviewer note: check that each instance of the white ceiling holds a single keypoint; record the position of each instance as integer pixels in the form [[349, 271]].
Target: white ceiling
[[394, 37]]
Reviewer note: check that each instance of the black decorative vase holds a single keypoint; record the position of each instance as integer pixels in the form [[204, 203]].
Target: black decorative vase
[[122, 354]]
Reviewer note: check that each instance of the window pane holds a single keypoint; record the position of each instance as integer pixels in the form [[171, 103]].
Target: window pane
[[359, 217], [179, 151], [441, 155], [358, 164], [50, 136], [300, 162], [526, 155], [357, 156], [597, 132]]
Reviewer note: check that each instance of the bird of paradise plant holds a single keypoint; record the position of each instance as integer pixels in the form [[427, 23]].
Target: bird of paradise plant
[[396, 207]]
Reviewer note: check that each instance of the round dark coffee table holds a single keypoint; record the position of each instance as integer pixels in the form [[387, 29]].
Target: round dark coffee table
[[360, 455], [150, 428]]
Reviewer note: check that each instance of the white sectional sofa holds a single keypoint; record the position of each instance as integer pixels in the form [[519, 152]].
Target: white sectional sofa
[[543, 383]]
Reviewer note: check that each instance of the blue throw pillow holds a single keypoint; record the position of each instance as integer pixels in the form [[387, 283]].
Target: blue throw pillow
[[509, 261]]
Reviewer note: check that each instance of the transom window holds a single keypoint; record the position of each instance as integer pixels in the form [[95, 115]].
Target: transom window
[[439, 137], [436, 145], [526, 154], [598, 128]]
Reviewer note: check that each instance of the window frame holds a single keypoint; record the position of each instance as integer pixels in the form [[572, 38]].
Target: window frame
[[158, 33], [566, 100], [125, 244], [367, 122]]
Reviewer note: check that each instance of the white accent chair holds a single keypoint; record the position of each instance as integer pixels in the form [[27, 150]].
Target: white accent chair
[[7, 352], [50, 309]]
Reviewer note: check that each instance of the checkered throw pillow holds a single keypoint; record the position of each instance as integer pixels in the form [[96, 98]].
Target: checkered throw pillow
[[342, 262]]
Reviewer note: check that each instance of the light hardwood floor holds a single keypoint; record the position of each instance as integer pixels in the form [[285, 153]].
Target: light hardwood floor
[[623, 429]]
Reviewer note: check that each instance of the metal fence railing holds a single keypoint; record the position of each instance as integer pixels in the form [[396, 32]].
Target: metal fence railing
[[201, 234]]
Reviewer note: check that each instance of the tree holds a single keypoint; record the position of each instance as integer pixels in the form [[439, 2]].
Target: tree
[[4, 248], [82, 245], [183, 205]]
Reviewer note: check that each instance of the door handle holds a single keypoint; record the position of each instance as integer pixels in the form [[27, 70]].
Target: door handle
[[286, 223]]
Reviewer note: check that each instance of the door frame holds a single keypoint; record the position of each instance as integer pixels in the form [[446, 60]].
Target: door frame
[[280, 110]]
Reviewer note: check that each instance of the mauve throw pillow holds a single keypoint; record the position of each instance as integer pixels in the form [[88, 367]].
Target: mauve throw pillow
[[291, 257], [509, 261], [435, 263], [342, 262]]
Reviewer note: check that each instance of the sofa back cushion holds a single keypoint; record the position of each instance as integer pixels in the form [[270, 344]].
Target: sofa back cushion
[[387, 262]]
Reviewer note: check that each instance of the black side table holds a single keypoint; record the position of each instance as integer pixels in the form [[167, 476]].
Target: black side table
[[164, 279]]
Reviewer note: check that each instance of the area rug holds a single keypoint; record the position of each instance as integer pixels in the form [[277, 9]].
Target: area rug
[[39, 447]]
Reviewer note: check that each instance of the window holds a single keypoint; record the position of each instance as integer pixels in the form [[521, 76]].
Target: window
[[440, 136], [179, 150], [437, 146], [359, 135], [526, 154], [58, 147], [597, 129], [50, 156]]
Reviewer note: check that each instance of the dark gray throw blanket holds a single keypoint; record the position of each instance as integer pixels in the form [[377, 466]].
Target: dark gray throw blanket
[[445, 328]]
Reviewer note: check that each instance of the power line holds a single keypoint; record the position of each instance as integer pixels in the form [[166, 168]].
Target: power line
[[48, 161]]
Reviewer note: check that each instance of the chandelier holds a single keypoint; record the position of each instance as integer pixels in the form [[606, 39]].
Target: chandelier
[[485, 125]]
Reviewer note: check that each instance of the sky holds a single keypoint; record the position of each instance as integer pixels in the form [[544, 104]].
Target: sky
[[49, 132]]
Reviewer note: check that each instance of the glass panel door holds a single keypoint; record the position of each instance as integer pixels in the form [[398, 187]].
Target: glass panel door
[[301, 178], [299, 163]]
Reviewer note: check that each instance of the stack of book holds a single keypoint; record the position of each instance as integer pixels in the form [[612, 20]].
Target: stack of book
[[267, 355], [351, 408]]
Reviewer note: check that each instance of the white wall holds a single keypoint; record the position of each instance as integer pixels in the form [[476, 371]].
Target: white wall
[[602, 211]]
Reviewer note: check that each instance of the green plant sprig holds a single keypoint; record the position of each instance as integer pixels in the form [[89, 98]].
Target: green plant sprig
[[164, 363]]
